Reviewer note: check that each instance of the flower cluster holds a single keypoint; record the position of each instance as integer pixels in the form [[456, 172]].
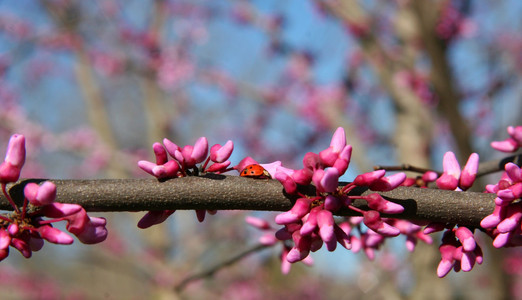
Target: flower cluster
[[26, 228], [458, 249], [184, 162], [504, 224], [310, 222]]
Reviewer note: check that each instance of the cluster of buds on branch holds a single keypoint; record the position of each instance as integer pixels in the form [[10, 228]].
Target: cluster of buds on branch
[[309, 224], [26, 228]]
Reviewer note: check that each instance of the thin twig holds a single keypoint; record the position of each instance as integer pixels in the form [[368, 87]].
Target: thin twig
[[213, 269]]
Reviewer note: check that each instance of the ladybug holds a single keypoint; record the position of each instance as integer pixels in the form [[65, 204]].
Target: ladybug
[[255, 171]]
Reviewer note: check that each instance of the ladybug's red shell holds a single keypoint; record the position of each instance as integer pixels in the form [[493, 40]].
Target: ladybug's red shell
[[255, 171]]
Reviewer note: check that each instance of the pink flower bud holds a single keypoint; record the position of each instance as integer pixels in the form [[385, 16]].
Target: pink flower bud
[[218, 167], [22, 246], [274, 167], [167, 170], [220, 153], [147, 166], [447, 261], [466, 238], [491, 221], [512, 220], [288, 183], [388, 183], [171, 147], [504, 197], [268, 239], [299, 210], [338, 140], [367, 179], [59, 210], [55, 235], [326, 223], [312, 161], [342, 237], [303, 176], [15, 155], [40, 195], [515, 133], [501, 239], [328, 157], [5, 239], [342, 162], [450, 178], [30, 192], [258, 222], [377, 202], [94, 232], [310, 224], [329, 181], [373, 220], [160, 153], [508, 145], [154, 217], [430, 176], [447, 182], [514, 172], [469, 172], [200, 150]]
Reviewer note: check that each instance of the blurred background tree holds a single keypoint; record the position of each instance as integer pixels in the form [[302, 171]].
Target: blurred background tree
[[93, 84]]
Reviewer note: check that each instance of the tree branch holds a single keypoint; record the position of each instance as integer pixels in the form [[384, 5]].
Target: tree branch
[[220, 192], [213, 269]]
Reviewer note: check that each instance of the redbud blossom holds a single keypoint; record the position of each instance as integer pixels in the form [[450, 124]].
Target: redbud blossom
[[388, 183], [14, 159], [325, 222], [467, 177], [512, 143], [300, 209], [377, 202], [452, 176], [367, 179], [154, 217], [373, 220], [160, 153], [40, 195], [220, 153]]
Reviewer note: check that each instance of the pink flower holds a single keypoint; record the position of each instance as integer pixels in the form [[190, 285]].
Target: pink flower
[[338, 154], [512, 143], [369, 178], [300, 209], [388, 183], [220, 153], [377, 202], [452, 177], [14, 159], [326, 180], [373, 220], [154, 217], [40, 195]]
